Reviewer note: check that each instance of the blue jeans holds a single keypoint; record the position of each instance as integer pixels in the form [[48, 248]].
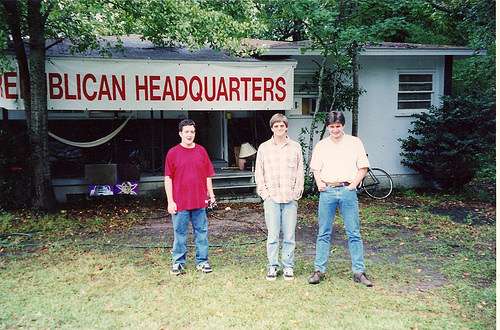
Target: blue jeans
[[280, 217], [347, 201], [198, 218]]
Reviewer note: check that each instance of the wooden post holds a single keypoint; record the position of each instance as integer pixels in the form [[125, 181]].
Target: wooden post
[[448, 73]]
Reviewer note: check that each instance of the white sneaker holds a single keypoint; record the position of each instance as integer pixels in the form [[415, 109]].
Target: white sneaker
[[288, 274], [204, 267], [272, 273]]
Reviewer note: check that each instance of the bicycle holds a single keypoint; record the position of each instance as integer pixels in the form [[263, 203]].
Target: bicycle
[[377, 183]]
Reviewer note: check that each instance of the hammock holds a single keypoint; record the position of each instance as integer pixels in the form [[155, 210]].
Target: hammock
[[91, 143]]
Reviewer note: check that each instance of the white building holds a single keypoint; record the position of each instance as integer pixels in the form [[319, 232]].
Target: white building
[[91, 95], [391, 76]]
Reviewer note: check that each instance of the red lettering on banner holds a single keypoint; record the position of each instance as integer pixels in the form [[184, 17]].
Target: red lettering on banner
[[67, 95], [196, 97], [178, 80], [104, 89], [281, 89], [55, 89], [245, 81], [8, 84], [168, 90], [197, 88], [222, 90], [153, 88], [268, 88], [256, 88], [117, 87], [3, 90], [78, 87], [211, 97], [139, 87], [234, 86], [89, 76]]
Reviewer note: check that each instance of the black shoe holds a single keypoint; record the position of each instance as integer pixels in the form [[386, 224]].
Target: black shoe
[[316, 277], [362, 278]]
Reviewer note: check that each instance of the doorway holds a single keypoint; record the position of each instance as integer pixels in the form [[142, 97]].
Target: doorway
[[210, 133]]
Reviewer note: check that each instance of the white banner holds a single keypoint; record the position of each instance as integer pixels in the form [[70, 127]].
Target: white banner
[[108, 84]]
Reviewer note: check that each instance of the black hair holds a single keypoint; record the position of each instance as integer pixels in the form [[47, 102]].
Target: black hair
[[186, 122]]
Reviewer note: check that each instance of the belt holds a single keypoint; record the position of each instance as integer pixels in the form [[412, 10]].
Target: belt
[[337, 184]]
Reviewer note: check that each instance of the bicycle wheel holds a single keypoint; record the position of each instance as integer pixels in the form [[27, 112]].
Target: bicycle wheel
[[377, 183]]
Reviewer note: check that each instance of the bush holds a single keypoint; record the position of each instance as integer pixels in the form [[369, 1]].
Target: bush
[[445, 142], [482, 187]]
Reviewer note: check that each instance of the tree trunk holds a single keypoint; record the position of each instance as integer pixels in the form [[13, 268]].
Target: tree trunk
[[313, 126], [43, 198], [355, 87], [13, 18]]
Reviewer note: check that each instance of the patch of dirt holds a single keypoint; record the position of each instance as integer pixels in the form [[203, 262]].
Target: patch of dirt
[[482, 214], [224, 224]]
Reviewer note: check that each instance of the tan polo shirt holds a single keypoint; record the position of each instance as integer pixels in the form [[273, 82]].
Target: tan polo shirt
[[339, 161]]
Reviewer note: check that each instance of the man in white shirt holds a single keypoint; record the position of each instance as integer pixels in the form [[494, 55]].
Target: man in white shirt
[[339, 163]]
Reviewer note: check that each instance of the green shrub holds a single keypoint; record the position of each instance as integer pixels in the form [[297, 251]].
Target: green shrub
[[445, 142], [482, 187]]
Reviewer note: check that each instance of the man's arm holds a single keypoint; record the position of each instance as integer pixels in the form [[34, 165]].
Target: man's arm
[[359, 177], [317, 177], [299, 181], [262, 190], [210, 190], [171, 206]]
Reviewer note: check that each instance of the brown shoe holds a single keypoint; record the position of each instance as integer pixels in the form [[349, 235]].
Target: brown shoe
[[362, 278], [316, 277]]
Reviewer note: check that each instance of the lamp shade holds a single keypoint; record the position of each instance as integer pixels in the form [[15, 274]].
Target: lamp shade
[[247, 150]]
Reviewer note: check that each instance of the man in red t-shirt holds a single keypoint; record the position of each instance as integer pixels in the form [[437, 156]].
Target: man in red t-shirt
[[188, 183]]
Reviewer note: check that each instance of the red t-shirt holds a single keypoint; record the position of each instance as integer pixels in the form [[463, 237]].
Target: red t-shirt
[[189, 169]]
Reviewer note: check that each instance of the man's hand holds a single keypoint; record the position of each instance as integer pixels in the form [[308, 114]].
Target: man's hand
[[172, 208], [351, 187], [321, 185]]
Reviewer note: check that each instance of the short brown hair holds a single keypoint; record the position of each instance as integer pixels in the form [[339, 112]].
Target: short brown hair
[[336, 117], [277, 117]]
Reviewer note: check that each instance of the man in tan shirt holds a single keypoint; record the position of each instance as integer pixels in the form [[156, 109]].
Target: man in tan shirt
[[279, 174], [339, 163]]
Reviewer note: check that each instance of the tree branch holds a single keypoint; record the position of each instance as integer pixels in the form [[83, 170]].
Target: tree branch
[[58, 41]]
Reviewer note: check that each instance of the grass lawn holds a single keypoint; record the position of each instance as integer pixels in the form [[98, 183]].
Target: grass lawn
[[430, 272]]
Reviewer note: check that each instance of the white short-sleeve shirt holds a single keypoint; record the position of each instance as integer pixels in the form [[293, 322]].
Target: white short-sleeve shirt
[[339, 161]]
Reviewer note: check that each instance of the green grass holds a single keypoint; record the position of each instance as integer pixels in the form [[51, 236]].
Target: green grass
[[72, 288], [429, 273]]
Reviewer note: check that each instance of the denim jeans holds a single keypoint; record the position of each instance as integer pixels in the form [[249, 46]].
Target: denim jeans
[[198, 219], [280, 217], [347, 201]]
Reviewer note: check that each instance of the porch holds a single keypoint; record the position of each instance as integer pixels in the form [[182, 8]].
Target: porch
[[230, 185]]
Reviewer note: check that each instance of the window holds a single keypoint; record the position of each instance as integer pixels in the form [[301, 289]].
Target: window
[[415, 91]]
